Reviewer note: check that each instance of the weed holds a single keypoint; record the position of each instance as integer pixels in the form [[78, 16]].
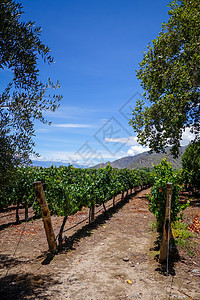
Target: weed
[[153, 226], [182, 236], [191, 253], [154, 253]]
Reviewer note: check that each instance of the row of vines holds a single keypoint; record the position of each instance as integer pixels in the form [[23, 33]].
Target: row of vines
[[68, 189]]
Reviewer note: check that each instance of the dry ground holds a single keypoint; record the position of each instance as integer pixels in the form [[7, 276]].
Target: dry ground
[[114, 258]]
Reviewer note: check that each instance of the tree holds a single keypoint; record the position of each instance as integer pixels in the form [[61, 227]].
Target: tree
[[163, 174], [191, 164], [24, 99], [170, 75]]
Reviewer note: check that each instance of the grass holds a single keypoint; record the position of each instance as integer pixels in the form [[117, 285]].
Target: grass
[[182, 236], [153, 226]]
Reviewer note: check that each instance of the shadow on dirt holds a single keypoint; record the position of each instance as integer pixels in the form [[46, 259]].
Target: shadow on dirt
[[6, 225], [25, 286], [193, 197], [86, 230], [6, 261], [174, 257], [12, 212]]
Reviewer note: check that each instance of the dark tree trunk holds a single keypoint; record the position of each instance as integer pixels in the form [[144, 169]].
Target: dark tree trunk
[[26, 211], [17, 212], [60, 239]]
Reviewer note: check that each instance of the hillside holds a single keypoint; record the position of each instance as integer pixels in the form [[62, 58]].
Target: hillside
[[145, 160], [148, 161]]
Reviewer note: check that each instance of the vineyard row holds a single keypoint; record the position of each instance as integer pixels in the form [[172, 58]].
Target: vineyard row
[[68, 189]]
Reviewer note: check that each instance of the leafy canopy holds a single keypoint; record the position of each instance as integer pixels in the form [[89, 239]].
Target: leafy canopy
[[170, 75], [164, 174], [191, 164], [25, 97]]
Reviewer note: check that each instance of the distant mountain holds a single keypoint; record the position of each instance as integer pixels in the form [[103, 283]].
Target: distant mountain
[[145, 160], [142, 160], [101, 165], [47, 164], [123, 162], [149, 160]]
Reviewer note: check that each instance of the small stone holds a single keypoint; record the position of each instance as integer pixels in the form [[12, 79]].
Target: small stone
[[125, 259], [195, 271], [136, 295]]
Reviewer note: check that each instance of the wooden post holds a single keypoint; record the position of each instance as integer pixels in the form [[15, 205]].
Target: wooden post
[[45, 215], [167, 225], [91, 214]]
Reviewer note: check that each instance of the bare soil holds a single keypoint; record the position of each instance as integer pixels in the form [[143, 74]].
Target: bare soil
[[113, 258]]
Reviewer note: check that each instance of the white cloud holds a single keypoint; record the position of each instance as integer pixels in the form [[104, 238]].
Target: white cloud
[[187, 137], [41, 130], [134, 150], [73, 112], [130, 141], [71, 125]]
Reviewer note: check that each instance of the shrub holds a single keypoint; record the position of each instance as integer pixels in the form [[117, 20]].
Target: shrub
[[164, 174]]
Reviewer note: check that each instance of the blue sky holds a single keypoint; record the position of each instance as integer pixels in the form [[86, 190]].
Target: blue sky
[[97, 46]]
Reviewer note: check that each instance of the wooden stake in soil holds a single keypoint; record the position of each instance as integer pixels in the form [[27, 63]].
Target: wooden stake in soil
[[166, 229], [45, 215]]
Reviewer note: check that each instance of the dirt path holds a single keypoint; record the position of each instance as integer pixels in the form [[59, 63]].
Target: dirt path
[[113, 260]]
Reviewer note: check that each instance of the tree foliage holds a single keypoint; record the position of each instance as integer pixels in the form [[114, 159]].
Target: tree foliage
[[191, 164], [25, 97], [170, 75], [164, 174]]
